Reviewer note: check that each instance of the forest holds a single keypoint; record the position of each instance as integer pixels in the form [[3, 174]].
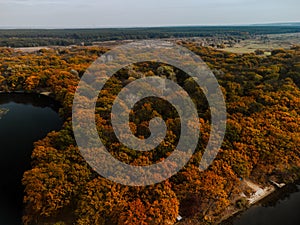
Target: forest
[[65, 37], [262, 137]]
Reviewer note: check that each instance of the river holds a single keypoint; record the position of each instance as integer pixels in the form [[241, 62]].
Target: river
[[24, 119]]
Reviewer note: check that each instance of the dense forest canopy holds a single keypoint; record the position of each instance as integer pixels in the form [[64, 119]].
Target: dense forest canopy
[[262, 137]]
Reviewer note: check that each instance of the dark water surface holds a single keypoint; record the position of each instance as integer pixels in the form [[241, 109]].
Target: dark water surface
[[280, 208], [29, 118]]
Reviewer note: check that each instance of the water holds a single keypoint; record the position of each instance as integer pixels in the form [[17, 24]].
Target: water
[[282, 210], [26, 119]]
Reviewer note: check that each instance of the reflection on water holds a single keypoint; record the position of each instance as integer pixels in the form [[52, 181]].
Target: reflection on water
[[3, 112], [284, 210], [24, 119]]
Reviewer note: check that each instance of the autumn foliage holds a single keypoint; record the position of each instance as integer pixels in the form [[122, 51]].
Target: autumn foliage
[[262, 137]]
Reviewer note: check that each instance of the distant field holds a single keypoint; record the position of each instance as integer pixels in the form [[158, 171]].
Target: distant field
[[266, 43], [65, 37]]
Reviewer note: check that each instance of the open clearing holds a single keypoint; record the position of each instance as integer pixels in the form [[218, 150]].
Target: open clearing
[[265, 42]]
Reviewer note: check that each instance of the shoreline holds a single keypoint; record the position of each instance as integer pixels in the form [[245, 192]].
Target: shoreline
[[39, 96], [45, 93], [269, 198], [257, 196]]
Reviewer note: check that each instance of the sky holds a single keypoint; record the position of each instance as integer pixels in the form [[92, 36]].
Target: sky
[[143, 13]]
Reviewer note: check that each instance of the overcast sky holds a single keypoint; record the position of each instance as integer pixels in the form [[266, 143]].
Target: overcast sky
[[128, 13]]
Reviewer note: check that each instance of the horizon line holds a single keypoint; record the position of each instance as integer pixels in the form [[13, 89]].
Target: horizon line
[[29, 27]]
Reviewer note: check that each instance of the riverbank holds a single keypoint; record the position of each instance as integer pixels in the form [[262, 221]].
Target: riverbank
[[46, 93], [267, 199], [258, 193], [43, 99]]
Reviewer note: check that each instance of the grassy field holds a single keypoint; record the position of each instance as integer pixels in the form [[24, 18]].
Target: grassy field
[[265, 42]]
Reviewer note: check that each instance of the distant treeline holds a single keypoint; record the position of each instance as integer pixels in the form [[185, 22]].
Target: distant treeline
[[64, 37]]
